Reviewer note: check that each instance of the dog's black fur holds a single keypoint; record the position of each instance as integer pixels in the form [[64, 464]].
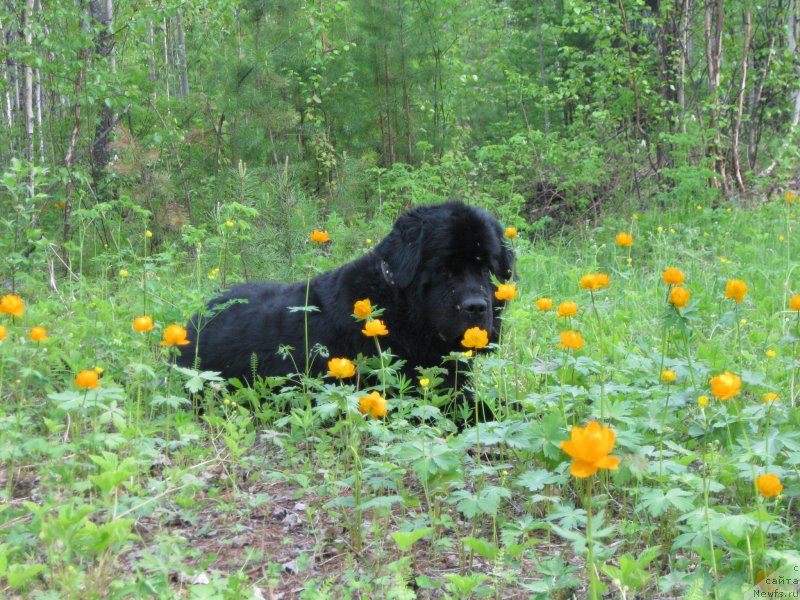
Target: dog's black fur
[[431, 275]]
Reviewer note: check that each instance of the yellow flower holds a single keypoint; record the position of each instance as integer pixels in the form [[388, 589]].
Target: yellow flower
[[511, 232], [373, 405], [369, 242], [123, 272], [660, 229], [174, 335], [87, 379], [571, 339], [595, 281], [341, 368], [544, 304], [781, 238], [506, 291], [148, 233], [790, 197], [142, 324], [475, 337], [668, 375], [567, 309], [12, 304], [375, 327], [672, 276], [726, 385], [742, 322], [702, 400], [699, 207], [3, 332], [362, 309], [38, 334], [590, 447], [794, 302], [735, 289], [320, 237], [99, 370], [679, 296], [770, 397], [769, 485], [624, 239], [424, 382], [467, 354], [229, 223], [771, 353]]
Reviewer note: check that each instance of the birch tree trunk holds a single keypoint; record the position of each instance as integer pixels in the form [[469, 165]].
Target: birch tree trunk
[[181, 63], [28, 95], [737, 127]]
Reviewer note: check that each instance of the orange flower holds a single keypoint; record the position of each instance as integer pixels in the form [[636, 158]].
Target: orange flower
[[571, 339], [679, 296], [142, 324], [362, 308], [594, 281], [341, 368], [544, 304], [672, 276], [624, 239], [11, 304], [770, 397], [735, 289], [794, 302], [475, 337], [320, 237], [668, 375], [769, 485], [373, 405], [174, 335], [511, 232], [374, 327], [567, 309], [726, 385], [3, 332], [790, 197], [87, 379], [38, 334], [590, 447], [506, 291]]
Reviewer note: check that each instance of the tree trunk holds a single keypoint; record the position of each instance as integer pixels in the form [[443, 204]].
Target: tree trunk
[[542, 71], [103, 47], [404, 77], [737, 169], [683, 8], [181, 63], [713, 32], [388, 89], [27, 89], [753, 132]]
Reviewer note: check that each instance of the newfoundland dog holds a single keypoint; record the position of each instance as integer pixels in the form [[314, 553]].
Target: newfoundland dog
[[432, 275]]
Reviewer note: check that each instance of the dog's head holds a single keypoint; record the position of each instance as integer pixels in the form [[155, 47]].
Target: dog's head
[[445, 259]]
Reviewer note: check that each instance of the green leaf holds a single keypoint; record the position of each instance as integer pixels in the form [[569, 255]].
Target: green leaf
[[406, 539], [485, 548]]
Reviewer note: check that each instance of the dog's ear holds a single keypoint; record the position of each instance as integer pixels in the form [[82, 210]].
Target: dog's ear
[[401, 250]]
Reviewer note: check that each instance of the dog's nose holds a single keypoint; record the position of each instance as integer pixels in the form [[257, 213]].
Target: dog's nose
[[475, 306]]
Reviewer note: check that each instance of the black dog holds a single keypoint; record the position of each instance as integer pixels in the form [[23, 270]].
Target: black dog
[[431, 275]]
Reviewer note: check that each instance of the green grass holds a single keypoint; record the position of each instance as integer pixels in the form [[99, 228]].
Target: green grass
[[125, 491]]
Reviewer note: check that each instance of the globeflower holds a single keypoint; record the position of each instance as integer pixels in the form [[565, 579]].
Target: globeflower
[[38, 334], [668, 375], [174, 335], [475, 337], [362, 309], [544, 304], [769, 485], [88, 379], [320, 237], [595, 281], [142, 324], [374, 327], [735, 289], [373, 405], [341, 368], [624, 239], [679, 296], [571, 339], [672, 276], [12, 304], [511, 233], [725, 386], [567, 309], [794, 302], [506, 291], [770, 397], [790, 197], [424, 382], [590, 447], [3, 332], [702, 400]]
